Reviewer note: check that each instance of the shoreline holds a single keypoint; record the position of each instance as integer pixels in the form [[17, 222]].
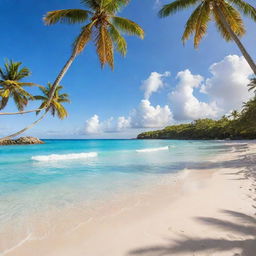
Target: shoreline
[[199, 212]]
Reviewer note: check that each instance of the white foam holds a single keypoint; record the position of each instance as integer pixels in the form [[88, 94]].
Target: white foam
[[152, 149], [56, 157]]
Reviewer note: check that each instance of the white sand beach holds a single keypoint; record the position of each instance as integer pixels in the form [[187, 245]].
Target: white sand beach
[[209, 210]]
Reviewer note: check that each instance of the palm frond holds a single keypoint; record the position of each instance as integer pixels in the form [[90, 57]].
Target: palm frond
[[247, 9], [69, 16], [202, 23], [20, 101], [61, 111], [84, 37], [104, 47], [176, 6], [3, 102], [191, 24], [92, 4], [252, 84], [118, 39], [127, 26], [114, 6], [233, 18]]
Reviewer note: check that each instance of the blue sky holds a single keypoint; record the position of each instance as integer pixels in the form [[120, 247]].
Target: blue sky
[[44, 49]]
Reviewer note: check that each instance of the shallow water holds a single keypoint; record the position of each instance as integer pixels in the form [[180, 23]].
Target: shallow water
[[38, 179]]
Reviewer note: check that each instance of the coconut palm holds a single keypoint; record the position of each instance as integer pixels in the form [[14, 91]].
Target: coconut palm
[[55, 106], [11, 85], [102, 26], [234, 115], [225, 13], [252, 84]]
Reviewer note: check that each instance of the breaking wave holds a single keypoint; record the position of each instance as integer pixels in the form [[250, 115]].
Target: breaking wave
[[56, 157], [152, 149]]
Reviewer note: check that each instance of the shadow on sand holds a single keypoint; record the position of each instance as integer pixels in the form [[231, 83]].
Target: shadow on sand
[[240, 231]]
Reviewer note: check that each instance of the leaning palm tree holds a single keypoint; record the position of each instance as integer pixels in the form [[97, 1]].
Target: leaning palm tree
[[11, 85], [226, 15], [55, 107], [102, 27]]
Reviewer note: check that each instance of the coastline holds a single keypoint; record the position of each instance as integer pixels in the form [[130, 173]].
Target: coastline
[[205, 211]]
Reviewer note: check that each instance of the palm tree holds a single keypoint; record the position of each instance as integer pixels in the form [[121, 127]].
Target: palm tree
[[225, 14], [234, 115], [252, 84], [11, 85], [102, 27], [54, 107]]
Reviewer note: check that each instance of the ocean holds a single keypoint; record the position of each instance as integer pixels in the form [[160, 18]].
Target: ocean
[[78, 174]]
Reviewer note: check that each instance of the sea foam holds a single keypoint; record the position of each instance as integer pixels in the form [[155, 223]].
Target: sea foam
[[152, 149], [56, 157]]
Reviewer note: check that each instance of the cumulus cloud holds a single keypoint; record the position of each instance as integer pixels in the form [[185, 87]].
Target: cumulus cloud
[[185, 105], [148, 116], [144, 116], [153, 83], [227, 86], [92, 125], [226, 90], [123, 123]]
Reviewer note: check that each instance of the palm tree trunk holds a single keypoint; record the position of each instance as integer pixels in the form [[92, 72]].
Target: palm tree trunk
[[25, 129], [61, 75], [237, 41], [54, 86]]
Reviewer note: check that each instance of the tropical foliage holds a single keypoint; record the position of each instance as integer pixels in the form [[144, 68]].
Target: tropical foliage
[[11, 85], [225, 13], [55, 106], [103, 27]]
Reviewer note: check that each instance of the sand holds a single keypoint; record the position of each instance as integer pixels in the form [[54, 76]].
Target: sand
[[208, 210]]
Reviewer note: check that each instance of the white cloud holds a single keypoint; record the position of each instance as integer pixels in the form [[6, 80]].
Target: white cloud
[[92, 125], [185, 105], [153, 83], [148, 116], [227, 86], [226, 90], [144, 116], [123, 123]]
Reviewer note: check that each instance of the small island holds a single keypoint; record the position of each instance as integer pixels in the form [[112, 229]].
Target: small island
[[21, 141]]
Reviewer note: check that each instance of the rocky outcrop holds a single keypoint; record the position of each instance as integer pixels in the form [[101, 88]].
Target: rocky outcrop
[[22, 141]]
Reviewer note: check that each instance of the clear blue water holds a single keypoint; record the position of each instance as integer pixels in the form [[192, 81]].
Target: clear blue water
[[31, 184], [117, 166]]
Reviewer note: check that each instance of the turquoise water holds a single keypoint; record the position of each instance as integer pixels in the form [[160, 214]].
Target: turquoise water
[[113, 163], [67, 173]]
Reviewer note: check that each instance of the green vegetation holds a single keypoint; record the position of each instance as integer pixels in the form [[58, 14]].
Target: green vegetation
[[56, 103], [103, 28], [11, 85], [239, 125], [55, 107], [226, 15]]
